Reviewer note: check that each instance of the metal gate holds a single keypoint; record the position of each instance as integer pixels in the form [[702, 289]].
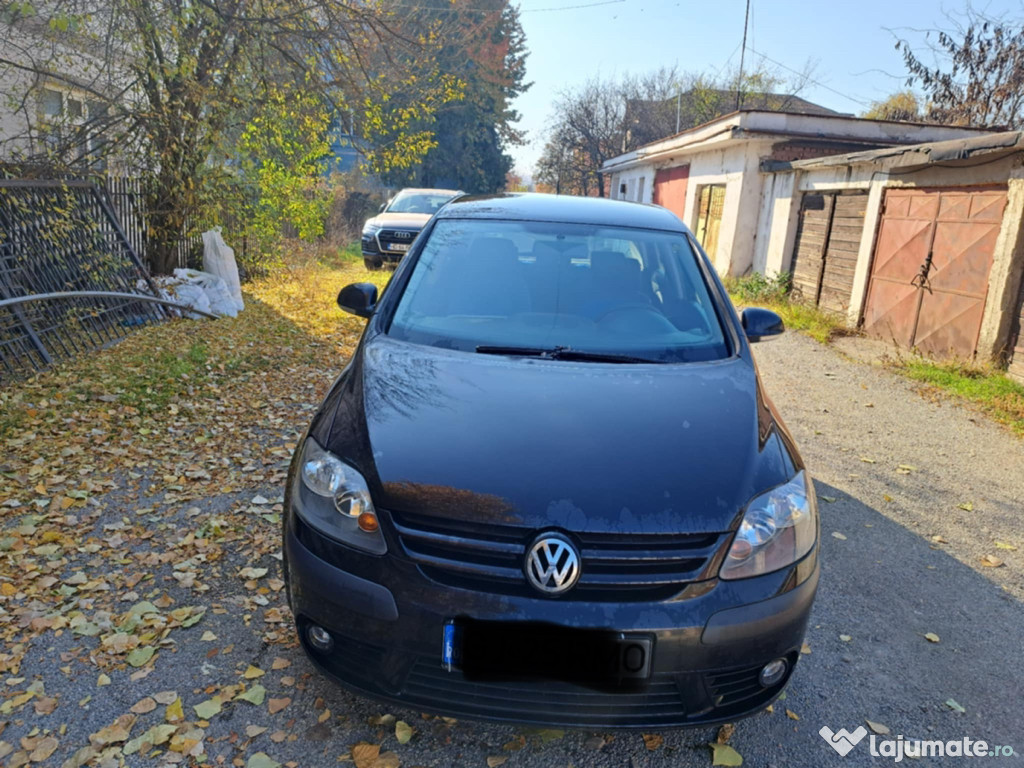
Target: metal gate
[[929, 277], [825, 253], [670, 188]]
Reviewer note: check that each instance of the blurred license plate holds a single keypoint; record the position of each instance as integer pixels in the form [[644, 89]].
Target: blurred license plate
[[398, 247]]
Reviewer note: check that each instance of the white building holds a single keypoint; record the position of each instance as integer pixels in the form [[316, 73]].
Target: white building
[[711, 176]]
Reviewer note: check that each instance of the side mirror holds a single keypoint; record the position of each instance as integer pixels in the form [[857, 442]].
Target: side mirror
[[761, 324], [383, 206], [358, 299]]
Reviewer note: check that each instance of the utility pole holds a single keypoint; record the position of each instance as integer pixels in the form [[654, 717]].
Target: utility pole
[[743, 51]]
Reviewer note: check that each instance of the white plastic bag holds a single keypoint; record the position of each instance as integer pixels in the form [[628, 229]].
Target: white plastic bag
[[219, 260], [216, 290]]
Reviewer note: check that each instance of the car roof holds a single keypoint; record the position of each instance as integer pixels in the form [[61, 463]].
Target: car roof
[[426, 191], [562, 208]]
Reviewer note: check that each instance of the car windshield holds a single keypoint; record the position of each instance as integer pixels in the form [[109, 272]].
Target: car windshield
[[419, 202], [551, 288]]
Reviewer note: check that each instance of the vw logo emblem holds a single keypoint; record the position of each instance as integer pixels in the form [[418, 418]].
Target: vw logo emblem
[[552, 564]]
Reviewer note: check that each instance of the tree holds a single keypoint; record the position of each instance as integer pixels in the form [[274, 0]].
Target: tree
[[904, 106], [605, 117], [978, 79], [484, 47], [176, 83]]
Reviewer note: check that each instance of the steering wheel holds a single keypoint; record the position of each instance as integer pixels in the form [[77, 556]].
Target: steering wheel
[[634, 308]]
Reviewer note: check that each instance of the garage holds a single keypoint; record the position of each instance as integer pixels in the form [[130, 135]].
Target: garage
[[825, 250], [670, 188], [930, 271], [710, 207]]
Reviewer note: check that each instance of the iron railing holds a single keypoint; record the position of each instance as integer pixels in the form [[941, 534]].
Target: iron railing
[[63, 236]]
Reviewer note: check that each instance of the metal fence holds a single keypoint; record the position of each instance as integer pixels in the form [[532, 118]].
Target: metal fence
[[128, 199], [61, 236]]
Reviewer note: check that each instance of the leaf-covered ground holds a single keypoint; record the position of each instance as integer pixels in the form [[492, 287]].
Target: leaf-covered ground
[[142, 614]]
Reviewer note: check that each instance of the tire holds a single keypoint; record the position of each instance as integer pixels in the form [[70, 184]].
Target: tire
[[372, 264]]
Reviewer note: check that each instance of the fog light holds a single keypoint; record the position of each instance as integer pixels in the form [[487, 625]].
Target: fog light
[[319, 638], [773, 672]]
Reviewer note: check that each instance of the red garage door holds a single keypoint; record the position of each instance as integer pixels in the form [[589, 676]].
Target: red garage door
[[670, 189], [929, 277]]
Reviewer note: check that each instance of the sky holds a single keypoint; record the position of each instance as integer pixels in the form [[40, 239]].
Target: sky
[[850, 41]]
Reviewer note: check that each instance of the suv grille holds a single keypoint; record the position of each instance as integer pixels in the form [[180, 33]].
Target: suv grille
[[389, 237], [489, 558]]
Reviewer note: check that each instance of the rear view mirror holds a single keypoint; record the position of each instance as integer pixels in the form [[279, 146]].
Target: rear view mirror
[[761, 324], [358, 299]]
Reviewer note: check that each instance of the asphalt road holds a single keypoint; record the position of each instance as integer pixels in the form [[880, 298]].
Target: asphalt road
[[886, 584]]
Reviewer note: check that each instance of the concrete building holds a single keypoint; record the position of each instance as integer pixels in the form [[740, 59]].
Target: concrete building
[[711, 176]]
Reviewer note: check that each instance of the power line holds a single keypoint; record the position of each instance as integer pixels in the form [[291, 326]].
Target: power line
[[811, 79]]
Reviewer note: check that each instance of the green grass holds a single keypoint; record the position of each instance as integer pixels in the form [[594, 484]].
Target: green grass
[[772, 293], [999, 396]]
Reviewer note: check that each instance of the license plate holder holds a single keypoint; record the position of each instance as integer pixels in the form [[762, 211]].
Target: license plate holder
[[500, 650], [398, 247]]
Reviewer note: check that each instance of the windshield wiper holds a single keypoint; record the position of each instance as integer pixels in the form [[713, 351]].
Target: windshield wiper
[[562, 353]]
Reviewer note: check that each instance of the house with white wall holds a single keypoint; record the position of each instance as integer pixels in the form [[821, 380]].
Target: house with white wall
[[711, 175]]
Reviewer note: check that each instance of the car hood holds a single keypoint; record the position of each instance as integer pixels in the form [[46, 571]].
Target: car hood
[[551, 444], [400, 220]]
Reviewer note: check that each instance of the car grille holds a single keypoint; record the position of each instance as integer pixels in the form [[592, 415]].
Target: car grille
[[489, 558], [660, 700], [389, 237]]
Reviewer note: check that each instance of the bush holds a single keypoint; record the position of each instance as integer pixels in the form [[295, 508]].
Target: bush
[[756, 287]]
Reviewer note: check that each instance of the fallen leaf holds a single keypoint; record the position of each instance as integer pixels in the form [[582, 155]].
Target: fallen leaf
[[725, 733], [261, 760], [276, 705], [114, 733], [991, 561], [142, 706], [845, 638], [403, 732], [255, 695], [805, 649], [208, 636], [954, 706], [866, 460], [838, 535], [653, 741], [280, 663], [387, 760], [723, 754], [495, 761], [252, 731], [43, 749], [829, 499], [141, 656], [253, 672], [174, 713], [931, 637], [364, 754], [792, 715], [878, 728], [102, 680], [966, 506], [207, 709]]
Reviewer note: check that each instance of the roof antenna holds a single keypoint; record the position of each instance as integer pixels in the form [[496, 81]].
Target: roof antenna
[[743, 50]]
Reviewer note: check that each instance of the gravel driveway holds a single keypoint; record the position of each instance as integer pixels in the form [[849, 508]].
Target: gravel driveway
[[914, 492]]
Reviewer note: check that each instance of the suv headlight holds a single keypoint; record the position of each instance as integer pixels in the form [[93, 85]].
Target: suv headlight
[[333, 498], [370, 229], [779, 528]]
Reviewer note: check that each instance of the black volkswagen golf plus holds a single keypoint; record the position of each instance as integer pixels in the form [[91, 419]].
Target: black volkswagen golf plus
[[549, 486]]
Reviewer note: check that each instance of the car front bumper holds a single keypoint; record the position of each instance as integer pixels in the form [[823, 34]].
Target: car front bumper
[[387, 621]]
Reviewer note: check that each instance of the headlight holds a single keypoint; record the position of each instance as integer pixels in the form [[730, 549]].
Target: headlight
[[779, 528], [370, 229], [333, 498]]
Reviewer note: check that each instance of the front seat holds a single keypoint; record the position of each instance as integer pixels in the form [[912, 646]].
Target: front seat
[[492, 281]]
